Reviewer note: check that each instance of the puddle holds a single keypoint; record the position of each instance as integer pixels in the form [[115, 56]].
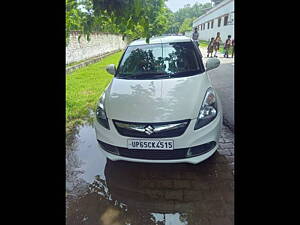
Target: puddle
[[84, 160], [100, 191]]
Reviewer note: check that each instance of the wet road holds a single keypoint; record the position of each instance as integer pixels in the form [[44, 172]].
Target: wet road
[[101, 192]]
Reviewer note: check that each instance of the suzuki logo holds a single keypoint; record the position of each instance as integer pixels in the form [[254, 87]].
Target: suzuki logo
[[149, 130]]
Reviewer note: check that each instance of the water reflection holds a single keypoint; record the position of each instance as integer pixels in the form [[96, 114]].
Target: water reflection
[[169, 58], [74, 184], [114, 193], [138, 96], [162, 95]]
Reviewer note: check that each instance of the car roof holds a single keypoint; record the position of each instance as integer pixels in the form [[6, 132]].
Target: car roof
[[160, 40]]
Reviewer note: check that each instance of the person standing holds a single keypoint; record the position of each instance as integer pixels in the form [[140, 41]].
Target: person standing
[[217, 42], [227, 46], [196, 36], [210, 47]]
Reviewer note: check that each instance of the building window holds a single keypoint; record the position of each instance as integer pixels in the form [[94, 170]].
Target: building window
[[231, 18], [203, 26], [219, 22], [225, 20], [208, 25], [212, 24]]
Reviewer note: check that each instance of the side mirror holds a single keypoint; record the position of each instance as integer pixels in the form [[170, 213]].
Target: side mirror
[[111, 69], [212, 64]]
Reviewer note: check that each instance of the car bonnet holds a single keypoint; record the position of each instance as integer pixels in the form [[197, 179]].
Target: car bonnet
[[157, 100]]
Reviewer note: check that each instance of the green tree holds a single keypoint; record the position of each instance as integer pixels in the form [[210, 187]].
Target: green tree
[[72, 16], [187, 12], [146, 17], [80, 17], [186, 25]]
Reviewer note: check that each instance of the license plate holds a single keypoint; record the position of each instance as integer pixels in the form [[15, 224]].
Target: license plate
[[150, 144]]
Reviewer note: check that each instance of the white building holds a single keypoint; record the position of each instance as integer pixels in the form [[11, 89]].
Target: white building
[[218, 19]]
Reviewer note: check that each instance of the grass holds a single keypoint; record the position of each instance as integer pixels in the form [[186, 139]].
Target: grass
[[203, 44], [84, 87]]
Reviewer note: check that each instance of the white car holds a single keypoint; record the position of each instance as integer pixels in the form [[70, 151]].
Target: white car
[[160, 106]]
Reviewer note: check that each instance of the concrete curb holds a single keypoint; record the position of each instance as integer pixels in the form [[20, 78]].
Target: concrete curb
[[89, 61]]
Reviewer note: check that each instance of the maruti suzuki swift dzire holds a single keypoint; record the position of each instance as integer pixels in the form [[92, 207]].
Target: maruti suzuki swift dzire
[[160, 107]]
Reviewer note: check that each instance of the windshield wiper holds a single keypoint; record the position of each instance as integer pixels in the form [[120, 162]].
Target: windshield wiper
[[142, 75], [163, 76]]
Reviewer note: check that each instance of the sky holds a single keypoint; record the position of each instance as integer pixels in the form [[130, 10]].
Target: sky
[[174, 5]]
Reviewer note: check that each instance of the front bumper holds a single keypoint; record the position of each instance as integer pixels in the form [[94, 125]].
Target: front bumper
[[192, 160], [190, 138]]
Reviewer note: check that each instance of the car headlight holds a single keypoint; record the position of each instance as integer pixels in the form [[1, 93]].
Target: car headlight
[[101, 114], [208, 110]]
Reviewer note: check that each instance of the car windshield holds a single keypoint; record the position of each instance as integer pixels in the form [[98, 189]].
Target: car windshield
[[160, 61]]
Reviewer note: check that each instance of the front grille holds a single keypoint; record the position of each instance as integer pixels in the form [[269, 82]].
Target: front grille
[[158, 154], [151, 130], [153, 154]]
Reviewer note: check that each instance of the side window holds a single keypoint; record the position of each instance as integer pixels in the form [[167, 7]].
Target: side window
[[219, 22], [203, 26], [208, 25], [212, 24], [226, 20]]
